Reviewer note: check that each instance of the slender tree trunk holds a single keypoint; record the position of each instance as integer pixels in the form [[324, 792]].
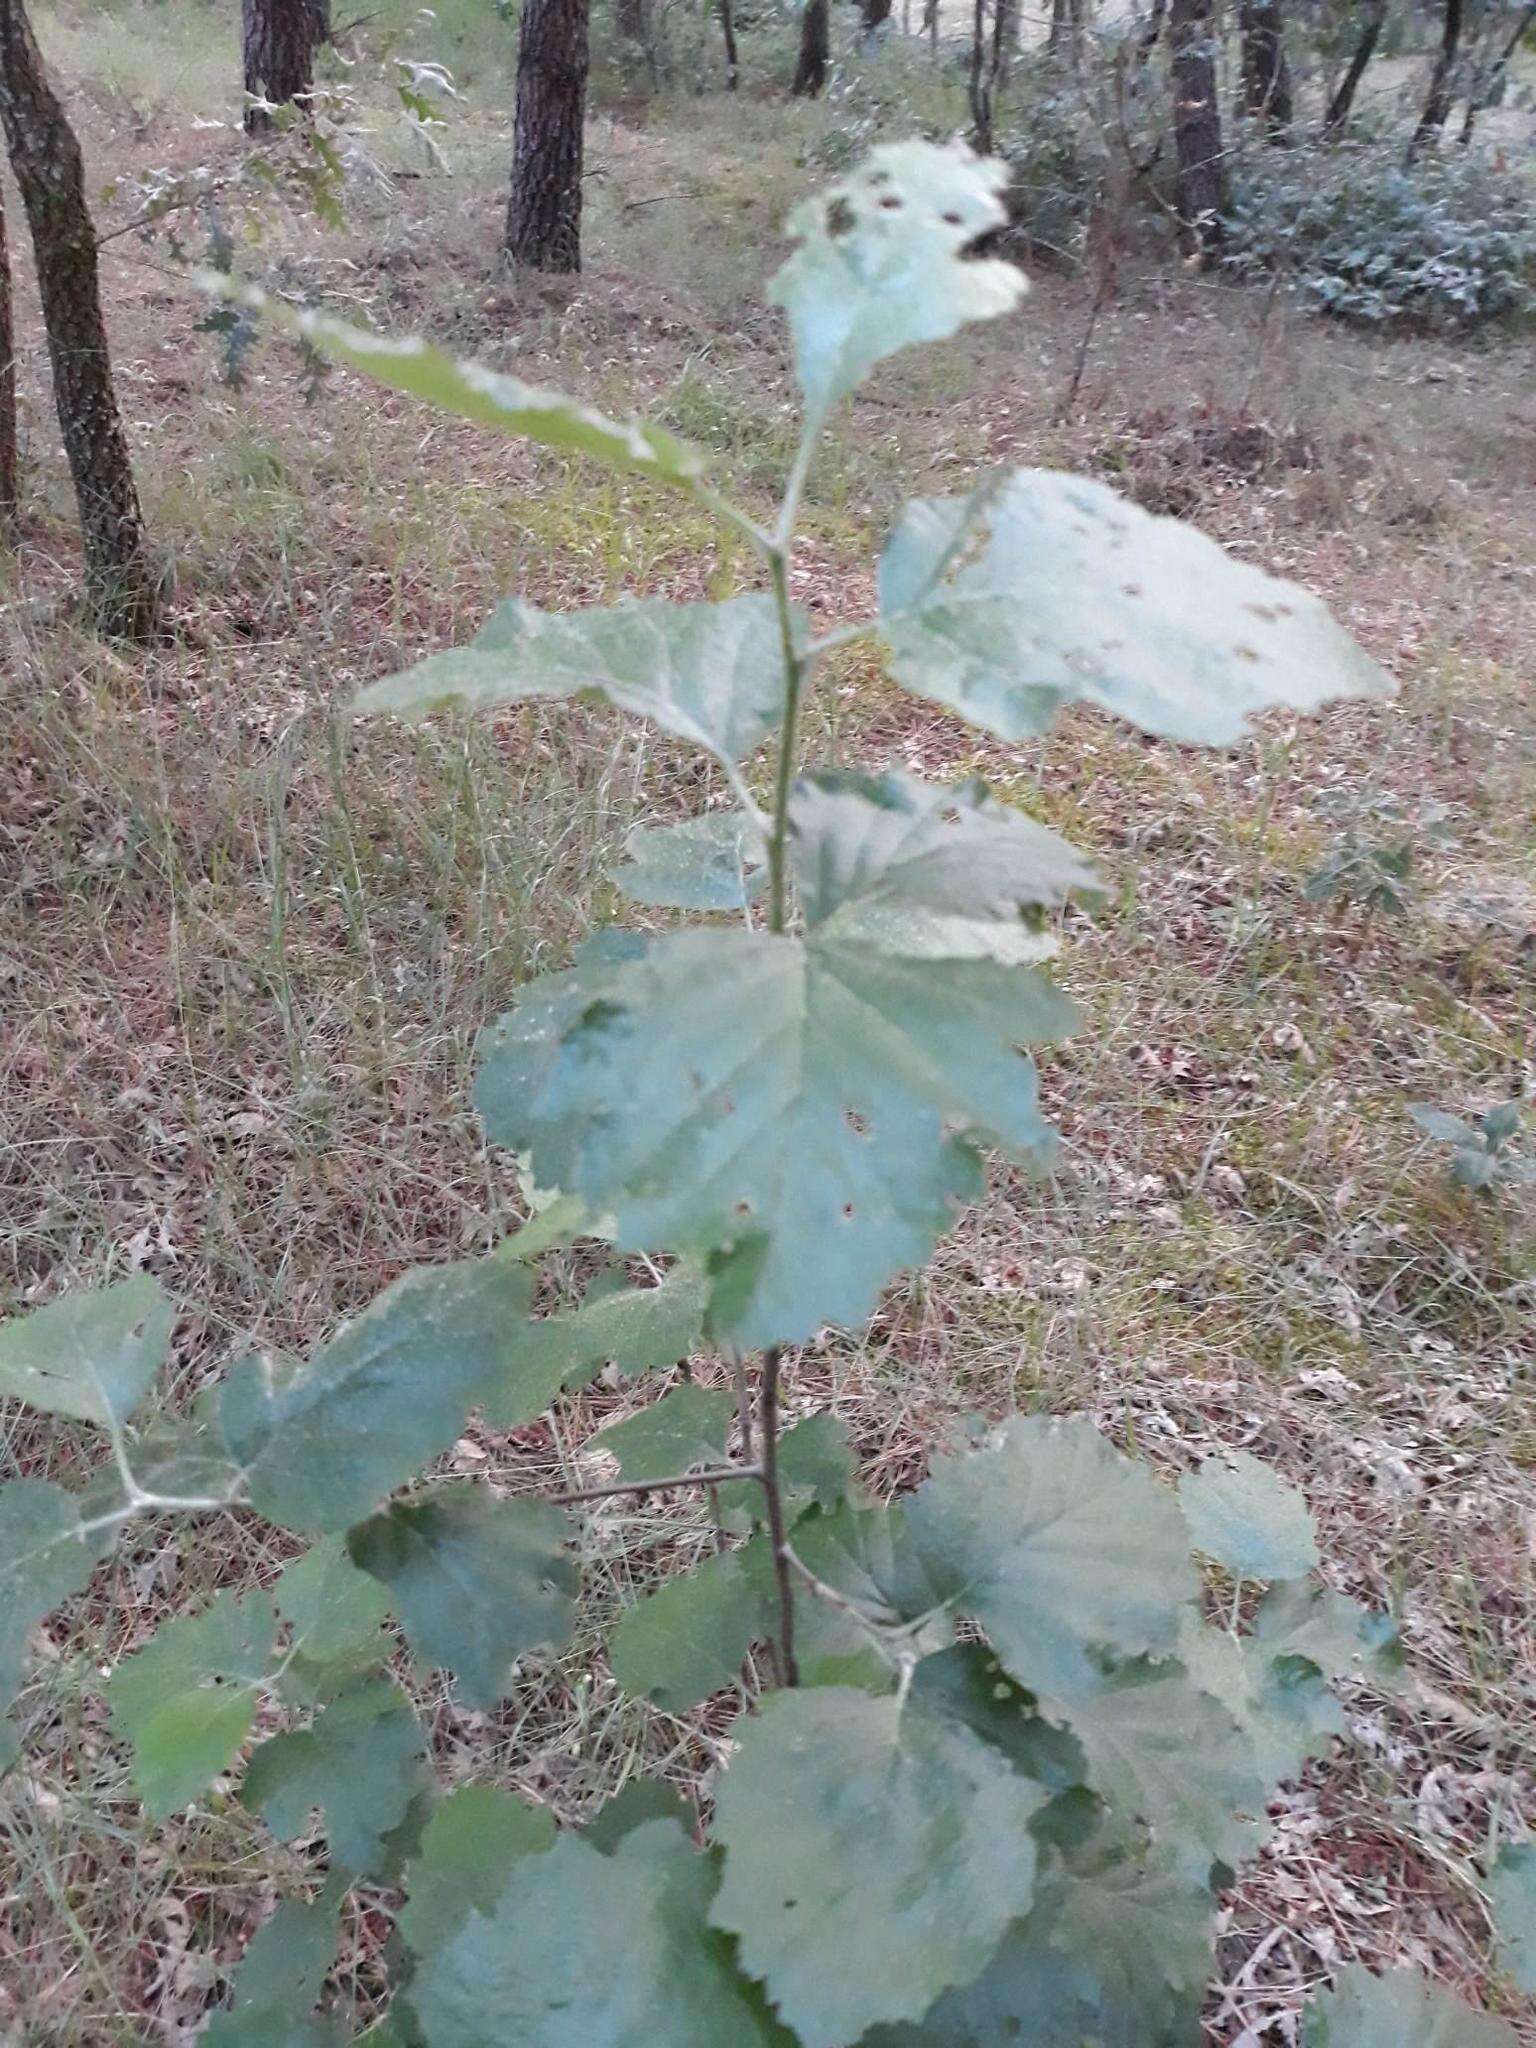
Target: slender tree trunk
[[1196, 126], [876, 13], [10, 483], [1441, 84], [544, 210], [1487, 88], [279, 42], [1152, 30], [1064, 30], [1342, 104], [728, 35], [120, 583], [815, 50], [1266, 75], [1005, 37]]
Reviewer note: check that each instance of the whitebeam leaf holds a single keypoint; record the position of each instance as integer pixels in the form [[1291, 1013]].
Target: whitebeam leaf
[[711, 674], [1243, 1514], [874, 1856], [360, 1762], [1076, 593], [802, 1109], [1400, 2010], [717, 862], [881, 262], [47, 1553], [489, 397], [92, 1354]]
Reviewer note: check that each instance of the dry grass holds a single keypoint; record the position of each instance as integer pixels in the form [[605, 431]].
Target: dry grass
[[244, 949]]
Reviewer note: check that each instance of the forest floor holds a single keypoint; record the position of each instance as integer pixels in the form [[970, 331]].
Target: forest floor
[[245, 947]]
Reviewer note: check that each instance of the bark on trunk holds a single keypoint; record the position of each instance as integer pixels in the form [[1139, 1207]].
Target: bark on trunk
[[1065, 36], [544, 209], [1005, 37], [876, 14], [1196, 126], [732, 55], [120, 583], [1340, 107], [815, 50], [1266, 75], [279, 40], [981, 95], [1441, 84], [10, 487]]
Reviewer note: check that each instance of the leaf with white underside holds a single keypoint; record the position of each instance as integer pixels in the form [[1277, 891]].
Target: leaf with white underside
[[489, 397], [874, 1856], [711, 674], [1512, 1889], [880, 262], [360, 1761], [476, 1581], [92, 1354], [1399, 2010], [1283, 1704], [806, 1111], [1059, 1547], [583, 1950], [323, 1443], [1051, 588], [468, 1850], [688, 1639], [686, 1427], [1307, 1621], [918, 869], [187, 1700], [1243, 1514], [717, 862]]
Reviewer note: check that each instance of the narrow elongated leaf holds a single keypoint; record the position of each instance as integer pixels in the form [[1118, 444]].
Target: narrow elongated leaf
[[636, 1329], [786, 1105], [874, 1857], [717, 862], [186, 1701], [881, 262], [688, 1638], [915, 868], [709, 673], [1243, 1514], [1512, 1888], [468, 1850], [1399, 2010], [688, 1426], [489, 397], [584, 1950], [1078, 593], [92, 1354], [360, 1762], [47, 1553], [476, 1581], [323, 1443], [1059, 1546]]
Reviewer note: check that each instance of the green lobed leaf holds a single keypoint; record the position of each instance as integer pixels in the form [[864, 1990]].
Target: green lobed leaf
[[92, 1354], [270, 2027], [1076, 593], [468, 1850], [1399, 2010], [334, 1609], [712, 674], [918, 869], [584, 1950], [187, 1700], [874, 1856], [637, 1329], [1243, 1514], [1512, 1890], [689, 1638], [716, 862], [640, 1801], [1282, 1704], [47, 1553], [1439, 1123], [1340, 1639], [476, 1581], [786, 1105], [288, 1958], [688, 1426], [360, 1761], [967, 1684], [880, 262], [489, 397], [1059, 1546], [815, 1470], [323, 1443]]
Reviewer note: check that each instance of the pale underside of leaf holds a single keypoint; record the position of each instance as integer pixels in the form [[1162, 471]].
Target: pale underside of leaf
[[716, 862], [1243, 1514], [1400, 2010]]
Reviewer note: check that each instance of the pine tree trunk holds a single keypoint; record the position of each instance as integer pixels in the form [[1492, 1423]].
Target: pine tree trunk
[[1196, 126], [1266, 75], [815, 50], [10, 484], [544, 210], [279, 39], [1342, 104], [1441, 84], [120, 583]]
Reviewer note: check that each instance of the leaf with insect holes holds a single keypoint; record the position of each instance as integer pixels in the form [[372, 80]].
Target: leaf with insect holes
[[360, 1761], [187, 1700], [92, 1354], [468, 1849], [636, 1329], [712, 674], [1243, 1514], [874, 1855], [583, 1950], [1059, 1547], [690, 1637], [717, 862], [966, 1684], [476, 1581], [323, 1443], [489, 397], [1512, 1890], [808, 1112], [880, 262], [1306, 1621], [686, 1427], [914, 868], [47, 1553], [1399, 2010], [1049, 588]]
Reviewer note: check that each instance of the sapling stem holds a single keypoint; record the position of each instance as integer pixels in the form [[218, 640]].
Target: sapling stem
[[778, 1535], [706, 1476]]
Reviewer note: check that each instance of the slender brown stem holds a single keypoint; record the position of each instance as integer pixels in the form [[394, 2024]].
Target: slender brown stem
[[707, 1476], [778, 1535]]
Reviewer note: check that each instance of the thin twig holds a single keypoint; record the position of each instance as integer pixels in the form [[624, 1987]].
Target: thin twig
[[778, 1534], [709, 1475]]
